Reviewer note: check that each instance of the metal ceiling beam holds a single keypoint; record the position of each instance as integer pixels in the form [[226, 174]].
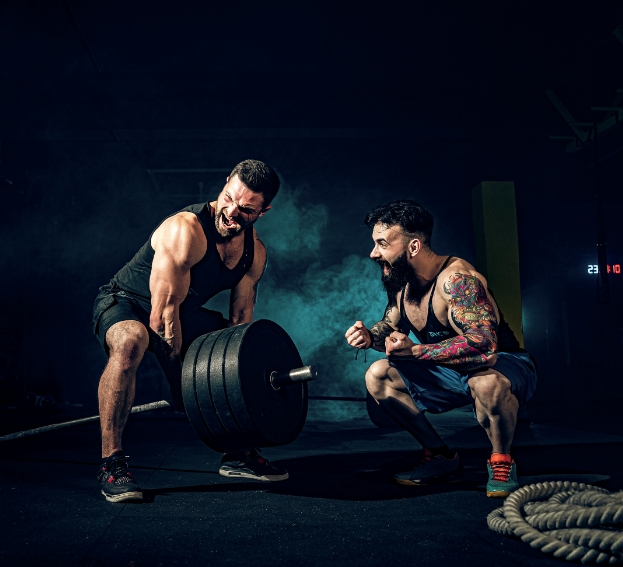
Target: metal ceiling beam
[[584, 131], [582, 135]]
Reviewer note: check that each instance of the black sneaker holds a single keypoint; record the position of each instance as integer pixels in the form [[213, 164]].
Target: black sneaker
[[116, 481], [248, 464], [432, 470]]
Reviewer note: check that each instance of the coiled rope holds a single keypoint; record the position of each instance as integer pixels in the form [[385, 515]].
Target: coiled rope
[[572, 521]]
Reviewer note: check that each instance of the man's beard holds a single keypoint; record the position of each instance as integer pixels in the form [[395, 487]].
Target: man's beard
[[221, 227], [399, 273]]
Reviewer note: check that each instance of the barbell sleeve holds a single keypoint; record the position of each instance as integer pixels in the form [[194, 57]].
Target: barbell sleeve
[[289, 377]]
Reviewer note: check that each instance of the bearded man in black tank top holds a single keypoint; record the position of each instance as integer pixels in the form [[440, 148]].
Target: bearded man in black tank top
[[155, 302], [464, 352]]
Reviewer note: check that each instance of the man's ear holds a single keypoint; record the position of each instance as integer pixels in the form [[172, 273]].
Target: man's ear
[[264, 211], [414, 247]]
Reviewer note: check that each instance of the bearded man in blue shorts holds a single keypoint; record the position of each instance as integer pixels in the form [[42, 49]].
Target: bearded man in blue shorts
[[466, 353]]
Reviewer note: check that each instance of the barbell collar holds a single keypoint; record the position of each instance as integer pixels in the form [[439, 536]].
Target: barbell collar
[[290, 377]]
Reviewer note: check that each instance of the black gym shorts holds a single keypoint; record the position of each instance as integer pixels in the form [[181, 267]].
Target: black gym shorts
[[113, 305]]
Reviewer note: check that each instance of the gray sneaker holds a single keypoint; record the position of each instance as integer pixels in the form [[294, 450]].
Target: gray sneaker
[[249, 464], [432, 470]]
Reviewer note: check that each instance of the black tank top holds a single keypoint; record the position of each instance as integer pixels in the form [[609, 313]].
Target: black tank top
[[207, 278], [434, 331]]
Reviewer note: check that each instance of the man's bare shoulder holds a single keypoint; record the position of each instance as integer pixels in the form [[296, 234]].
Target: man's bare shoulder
[[459, 270], [183, 235], [183, 224]]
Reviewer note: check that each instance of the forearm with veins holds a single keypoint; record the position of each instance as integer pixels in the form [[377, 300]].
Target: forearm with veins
[[381, 330]]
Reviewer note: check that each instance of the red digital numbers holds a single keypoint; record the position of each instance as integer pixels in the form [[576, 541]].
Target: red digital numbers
[[614, 268]]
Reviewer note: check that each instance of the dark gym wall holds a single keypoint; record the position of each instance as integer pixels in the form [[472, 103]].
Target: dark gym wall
[[354, 104]]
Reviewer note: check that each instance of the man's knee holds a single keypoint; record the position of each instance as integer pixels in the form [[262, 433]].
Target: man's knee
[[490, 387], [127, 342], [376, 377]]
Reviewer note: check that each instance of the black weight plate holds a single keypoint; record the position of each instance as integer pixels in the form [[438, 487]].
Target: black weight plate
[[231, 381], [271, 417], [219, 403], [219, 439], [188, 391]]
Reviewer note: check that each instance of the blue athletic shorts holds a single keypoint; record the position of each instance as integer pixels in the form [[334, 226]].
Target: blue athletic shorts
[[437, 389]]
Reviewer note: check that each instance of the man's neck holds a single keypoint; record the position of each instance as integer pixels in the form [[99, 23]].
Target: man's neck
[[425, 270]]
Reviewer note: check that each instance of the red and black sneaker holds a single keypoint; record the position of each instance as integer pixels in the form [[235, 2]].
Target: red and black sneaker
[[116, 481], [249, 464]]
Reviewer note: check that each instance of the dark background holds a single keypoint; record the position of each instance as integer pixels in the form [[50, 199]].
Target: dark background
[[115, 114]]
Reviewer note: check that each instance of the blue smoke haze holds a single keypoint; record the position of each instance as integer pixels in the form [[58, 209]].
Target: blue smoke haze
[[313, 300]]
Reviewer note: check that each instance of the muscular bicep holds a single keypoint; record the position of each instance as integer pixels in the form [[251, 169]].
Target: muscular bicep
[[169, 277], [470, 309], [178, 245]]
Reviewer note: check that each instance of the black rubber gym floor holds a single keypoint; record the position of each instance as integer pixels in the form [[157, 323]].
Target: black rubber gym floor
[[339, 506]]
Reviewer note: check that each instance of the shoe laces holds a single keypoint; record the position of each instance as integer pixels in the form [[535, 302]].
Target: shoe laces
[[501, 470], [427, 457], [117, 470], [253, 455]]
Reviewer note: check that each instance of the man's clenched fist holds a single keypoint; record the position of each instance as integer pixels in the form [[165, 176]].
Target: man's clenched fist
[[358, 336], [398, 344]]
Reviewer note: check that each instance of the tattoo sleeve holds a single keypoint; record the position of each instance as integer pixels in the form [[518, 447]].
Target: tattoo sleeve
[[379, 333], [473, 313]]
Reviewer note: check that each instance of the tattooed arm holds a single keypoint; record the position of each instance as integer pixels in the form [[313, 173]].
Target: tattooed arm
[[472, 314], [360, 337], [244, 296]]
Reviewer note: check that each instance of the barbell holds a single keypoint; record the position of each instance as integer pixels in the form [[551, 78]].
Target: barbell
[[245, 387], [242, 387]]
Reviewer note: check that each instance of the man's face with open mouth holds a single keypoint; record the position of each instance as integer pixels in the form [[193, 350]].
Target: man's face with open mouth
[[390, 254], [237, 208]]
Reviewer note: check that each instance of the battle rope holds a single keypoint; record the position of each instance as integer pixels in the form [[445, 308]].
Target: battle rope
[[581, 522]]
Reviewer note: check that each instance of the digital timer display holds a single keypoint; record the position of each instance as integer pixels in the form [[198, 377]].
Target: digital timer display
[[612, 268]]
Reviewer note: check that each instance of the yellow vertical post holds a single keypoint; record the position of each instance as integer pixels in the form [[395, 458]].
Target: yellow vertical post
[[497, 246]]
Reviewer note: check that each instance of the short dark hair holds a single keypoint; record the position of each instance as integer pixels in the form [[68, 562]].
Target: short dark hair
[[410, 216], [258, 177]]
